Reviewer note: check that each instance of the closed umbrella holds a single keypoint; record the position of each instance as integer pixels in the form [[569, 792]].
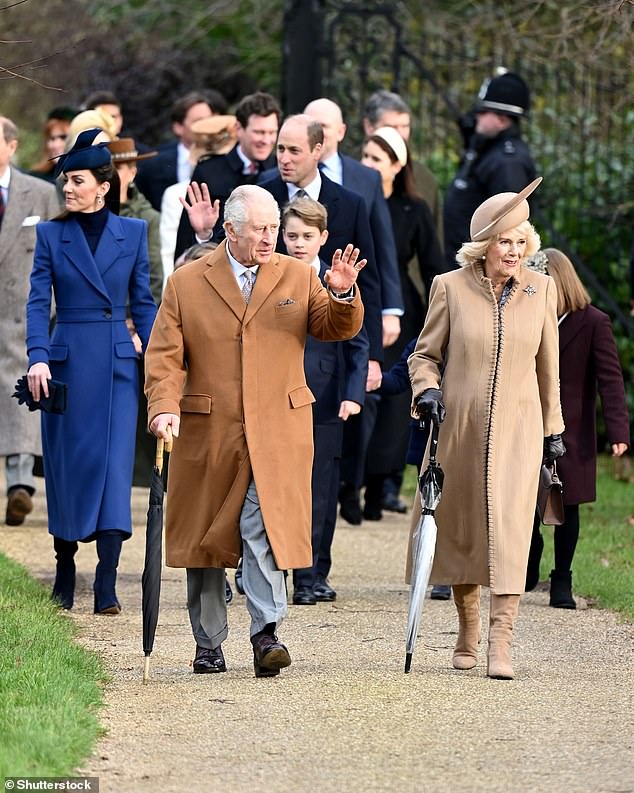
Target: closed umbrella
[[151, 579], [423, 544]]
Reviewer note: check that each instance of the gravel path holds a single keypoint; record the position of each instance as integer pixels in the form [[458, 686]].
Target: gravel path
[[344, 717]]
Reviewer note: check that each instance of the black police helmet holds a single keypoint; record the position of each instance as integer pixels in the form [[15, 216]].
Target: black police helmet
[[506, 94]]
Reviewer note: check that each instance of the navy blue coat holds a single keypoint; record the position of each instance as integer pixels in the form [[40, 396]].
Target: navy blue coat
[[396, 381], [156, 174], [367, 183], [335, 371], [347, 223], [89, 451]]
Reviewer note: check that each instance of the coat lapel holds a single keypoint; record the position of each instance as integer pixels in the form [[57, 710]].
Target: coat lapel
[[221, 278], [569, 329], [267, 278], [75, 247], [110, 245]]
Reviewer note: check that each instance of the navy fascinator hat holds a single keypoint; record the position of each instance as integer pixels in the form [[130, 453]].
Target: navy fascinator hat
[[83, 155]]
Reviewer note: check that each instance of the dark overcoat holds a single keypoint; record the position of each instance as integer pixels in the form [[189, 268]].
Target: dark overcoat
[[89, 451], [588, 361]]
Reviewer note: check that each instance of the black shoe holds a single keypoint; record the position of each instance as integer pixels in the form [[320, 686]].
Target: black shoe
[[440, 592], [350, 509], [393, 503], [561, 590], [534, 558], [322, 590], [269, 655], [228, 591], [208, 661], [372, 512], [19, 504], [238, 579], [303, 596]]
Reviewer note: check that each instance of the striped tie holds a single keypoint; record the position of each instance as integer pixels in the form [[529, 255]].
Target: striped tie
[[247, 286]]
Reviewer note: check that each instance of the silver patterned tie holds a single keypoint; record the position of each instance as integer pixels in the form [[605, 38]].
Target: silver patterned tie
[[247, 286]]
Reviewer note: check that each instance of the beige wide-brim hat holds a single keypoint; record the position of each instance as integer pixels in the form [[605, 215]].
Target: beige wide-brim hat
[[501, 212], [213, 135]]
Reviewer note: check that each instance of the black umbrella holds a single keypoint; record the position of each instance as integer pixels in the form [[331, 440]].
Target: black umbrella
[[423, 544], [151, 579]]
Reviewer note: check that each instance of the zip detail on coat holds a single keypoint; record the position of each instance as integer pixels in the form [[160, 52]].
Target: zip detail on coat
[[493, 384]]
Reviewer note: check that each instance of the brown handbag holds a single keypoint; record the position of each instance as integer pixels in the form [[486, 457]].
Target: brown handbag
[[550, 500]]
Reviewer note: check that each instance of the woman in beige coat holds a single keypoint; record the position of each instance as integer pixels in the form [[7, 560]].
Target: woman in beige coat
[[489, 351]]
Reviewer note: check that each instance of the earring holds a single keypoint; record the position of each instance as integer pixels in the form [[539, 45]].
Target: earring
[[99, 199]]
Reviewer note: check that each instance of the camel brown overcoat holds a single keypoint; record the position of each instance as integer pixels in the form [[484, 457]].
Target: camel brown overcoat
[[500, 386], [235, 375]]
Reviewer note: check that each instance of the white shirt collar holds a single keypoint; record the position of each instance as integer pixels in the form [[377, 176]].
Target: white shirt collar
[[333, 168], [238, 268], [5, 179], [316, 264], [246, 162], [313, 189], [183, 165]]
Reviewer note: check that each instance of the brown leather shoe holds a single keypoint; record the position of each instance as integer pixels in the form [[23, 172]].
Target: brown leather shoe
[[208, 661], [269, 655], [19, 505]]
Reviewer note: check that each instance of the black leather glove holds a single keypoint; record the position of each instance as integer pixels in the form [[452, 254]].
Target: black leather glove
[[429, 406], [553, 448]]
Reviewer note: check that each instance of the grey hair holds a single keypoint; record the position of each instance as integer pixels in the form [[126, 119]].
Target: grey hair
[[473, 252], [237, 205], [381, 102], [9, 129]]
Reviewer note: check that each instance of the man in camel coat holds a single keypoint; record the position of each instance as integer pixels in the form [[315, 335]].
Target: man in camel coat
[[224, 371]]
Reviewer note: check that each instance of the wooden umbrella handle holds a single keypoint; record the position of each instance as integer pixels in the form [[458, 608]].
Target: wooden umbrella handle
[[163, 446]]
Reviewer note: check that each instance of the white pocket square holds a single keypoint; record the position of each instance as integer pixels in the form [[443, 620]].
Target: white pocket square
[[32, 220]]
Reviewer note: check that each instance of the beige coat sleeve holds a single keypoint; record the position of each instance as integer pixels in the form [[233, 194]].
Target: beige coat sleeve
[[547, 366], [425, 363]]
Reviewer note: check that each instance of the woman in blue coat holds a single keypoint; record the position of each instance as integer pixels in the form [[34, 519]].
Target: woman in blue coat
[[96, 265]]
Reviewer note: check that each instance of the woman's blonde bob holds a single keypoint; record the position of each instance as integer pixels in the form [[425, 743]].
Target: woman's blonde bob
[[471, 253]]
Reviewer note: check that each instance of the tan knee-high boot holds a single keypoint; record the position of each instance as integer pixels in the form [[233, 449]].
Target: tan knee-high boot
[[502, 615], [467, 600]]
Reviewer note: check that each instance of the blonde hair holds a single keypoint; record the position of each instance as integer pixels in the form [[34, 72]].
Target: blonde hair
[[473, 252], [571, 293]]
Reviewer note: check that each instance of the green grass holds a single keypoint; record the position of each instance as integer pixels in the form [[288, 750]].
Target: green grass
[[603, 567], [50, 688]]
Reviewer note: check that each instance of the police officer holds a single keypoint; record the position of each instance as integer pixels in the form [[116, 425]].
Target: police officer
[[496, 159]]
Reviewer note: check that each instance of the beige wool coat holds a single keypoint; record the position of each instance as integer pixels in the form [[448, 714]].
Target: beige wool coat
[[235, 375], [499, 373]]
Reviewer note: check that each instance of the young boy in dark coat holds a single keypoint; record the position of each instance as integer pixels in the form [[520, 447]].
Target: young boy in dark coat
[[336, 373]]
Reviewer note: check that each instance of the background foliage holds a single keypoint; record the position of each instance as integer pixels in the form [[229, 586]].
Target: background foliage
[[577, 57]]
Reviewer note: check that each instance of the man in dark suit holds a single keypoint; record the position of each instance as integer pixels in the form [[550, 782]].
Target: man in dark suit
[[367, 183], [258, 118], [172, 165], [336, 374], [299, 147]]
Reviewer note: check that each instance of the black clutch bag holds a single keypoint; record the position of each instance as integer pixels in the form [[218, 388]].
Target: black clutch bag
[[55, 402], [550, 500]]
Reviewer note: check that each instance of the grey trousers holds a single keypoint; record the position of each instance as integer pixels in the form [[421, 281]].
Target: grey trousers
[[20, 471], [264, 585]]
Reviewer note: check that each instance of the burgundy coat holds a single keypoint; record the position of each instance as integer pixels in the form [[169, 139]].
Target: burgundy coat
[[588, 360]]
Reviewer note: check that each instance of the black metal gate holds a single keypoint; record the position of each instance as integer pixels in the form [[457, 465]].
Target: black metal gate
[[581, 129]]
